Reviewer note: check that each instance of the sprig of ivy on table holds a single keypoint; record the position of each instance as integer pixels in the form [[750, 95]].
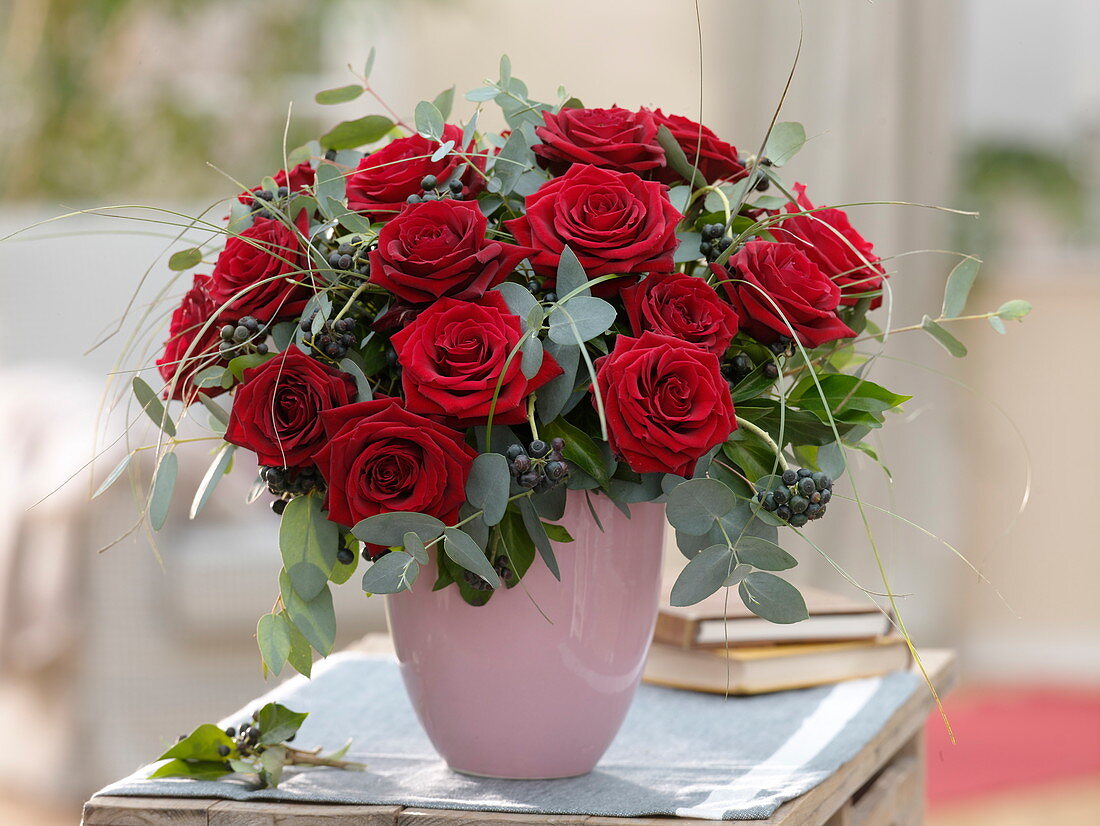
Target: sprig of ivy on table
[[261, 748]]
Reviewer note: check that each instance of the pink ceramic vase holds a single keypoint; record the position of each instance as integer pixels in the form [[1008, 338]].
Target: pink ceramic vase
[[503, 691]]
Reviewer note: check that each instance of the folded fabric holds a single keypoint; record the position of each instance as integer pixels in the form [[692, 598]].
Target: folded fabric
[[679, 753]]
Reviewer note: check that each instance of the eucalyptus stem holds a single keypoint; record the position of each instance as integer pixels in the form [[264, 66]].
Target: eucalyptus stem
[[351, 299], [767, 439], [531, 416]]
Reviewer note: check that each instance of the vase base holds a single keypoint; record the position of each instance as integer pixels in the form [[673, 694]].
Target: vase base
[[533, 776]]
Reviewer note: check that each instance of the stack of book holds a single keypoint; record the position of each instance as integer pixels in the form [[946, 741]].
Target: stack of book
[[719, 646]]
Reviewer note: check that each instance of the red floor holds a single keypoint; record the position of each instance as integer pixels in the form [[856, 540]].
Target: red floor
[[1011, 738]]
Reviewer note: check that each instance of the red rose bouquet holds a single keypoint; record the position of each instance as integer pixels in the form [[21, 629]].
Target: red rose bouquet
[[428, 336]]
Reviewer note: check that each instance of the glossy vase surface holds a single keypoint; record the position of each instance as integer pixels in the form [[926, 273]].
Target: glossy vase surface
[[536, 683]]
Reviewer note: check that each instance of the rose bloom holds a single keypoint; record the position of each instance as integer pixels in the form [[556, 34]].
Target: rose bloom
[[681, 306], [186, 352], [300, 177], [276, 410], [829, 240], [383, 181], [665, 401], [254, 260], [379, 457], [438, 248], [718, 160], [614, 222], [612, 138], [774, 287], [452, 359]]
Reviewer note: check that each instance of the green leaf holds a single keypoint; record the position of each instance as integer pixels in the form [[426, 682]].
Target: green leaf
[[760, 553], [112, 477], [272, 761], [580, 319], [216, 410], [342, 571], [940, 334], [537, 532], [556, 533], [273, 637], [551, 398], [677, 160], [518, 546], [579, 449], [150, 403], [531, 362], [341, 94], [695, 505], [301, 654], [350, 134], [462, 549], [1013, 310], [391, 574], [958, 287], [210, 480], [518, 298], [362, 384], [414, 546], [309, 543], [428, 120], [277, 723], [238, 365], [329, 186], [571, 277], [998, 325], [444, 101], [482, 94], [368, 67], [185, 259], [514, 158], [772, 598], [784, 141], [164, 482], [851, 399], [389, 529], [201, 744], [315, 618], [800, 427], [196, 770], [487, 486], [689, 248], [703, 575]]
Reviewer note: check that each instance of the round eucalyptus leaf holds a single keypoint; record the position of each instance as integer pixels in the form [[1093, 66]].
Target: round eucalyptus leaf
[[532, 358], [580, 319], [488, 485], [772, 598], [518, 298], [389, 529], [391, 574], [462, 549], [703, 575], [694, 505], [760, 553], [415, 547]]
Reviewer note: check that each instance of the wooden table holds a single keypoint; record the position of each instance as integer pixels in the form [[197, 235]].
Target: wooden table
[[883, 785]]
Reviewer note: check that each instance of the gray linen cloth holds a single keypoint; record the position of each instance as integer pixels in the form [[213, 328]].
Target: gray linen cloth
[[679, 753]]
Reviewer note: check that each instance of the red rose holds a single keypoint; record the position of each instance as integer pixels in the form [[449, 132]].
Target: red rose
[[276, 410], [248, 272], [300, 177], [380, 457], [438, 248], [830, 241], [452, 358], [188, 349], [718, 160], [666, 403], [615, 223], [610, 138], [681, 306], [384, 180], [774, 287]]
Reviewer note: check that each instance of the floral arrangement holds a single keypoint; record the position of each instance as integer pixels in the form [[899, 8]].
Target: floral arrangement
[[429, 343]]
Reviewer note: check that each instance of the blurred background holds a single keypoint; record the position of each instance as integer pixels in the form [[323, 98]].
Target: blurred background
[[991, 105]]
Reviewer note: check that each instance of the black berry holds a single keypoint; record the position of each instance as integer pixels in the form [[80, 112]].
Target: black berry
[[345, 556]]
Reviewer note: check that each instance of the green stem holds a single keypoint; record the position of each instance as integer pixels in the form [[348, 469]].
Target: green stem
[[763, 435]]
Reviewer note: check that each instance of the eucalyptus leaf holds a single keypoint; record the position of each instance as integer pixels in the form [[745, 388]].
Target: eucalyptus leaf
[[762, 554], [301, 653], [537, 533], [329, 183], [785, 140], [487, 486], [350, 134], [959, 283], [414, 546], [362, 384], [482, 94], [151, 404], [550, 399], [703, 575], [368, 67], [428, 120], [677, 160], [940, 334], [391, 574], [112, 477], [532, 357], [518, 298], [185, 259], [580, 319], [164, 482], [273, 637], [695, 505], [216, 410], [444, 102], [210, 479], [389, 529], [309, 543], [1013, 310], [341, 94], [772, 598], [315, 618], [462, 549], [571, 277], [997, 324]]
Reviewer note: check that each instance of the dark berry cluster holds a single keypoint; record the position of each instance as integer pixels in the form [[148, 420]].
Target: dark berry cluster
[[246, 336], [501, 566], [333, 340], [802, 497], [264, 202], [351, 256], [433, 191], [540, 467], [288, 482], [715, 241], [549, 297]]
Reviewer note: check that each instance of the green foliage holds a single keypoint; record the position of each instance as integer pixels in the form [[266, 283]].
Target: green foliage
[[218, 468], [341, 94], [273, 637], [785, 140], [695, 505], [580, 449], [164, 483], [308, 542], [772, 598], [351, 134], [428, 120], [940, 334], [959, 283], [391, 574], [185, 259], [850, 399], [389, 529], [487, 487], [314, 618], [461, 549], [151, 404], [675, 157]]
